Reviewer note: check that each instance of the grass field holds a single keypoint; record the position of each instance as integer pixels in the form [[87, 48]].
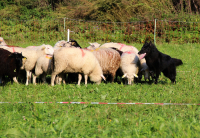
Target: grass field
[[87, 120]]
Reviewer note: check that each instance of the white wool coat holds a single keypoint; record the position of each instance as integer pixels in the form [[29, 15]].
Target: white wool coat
[[130, 65], [109, 60], [76, 60], [43, 67]]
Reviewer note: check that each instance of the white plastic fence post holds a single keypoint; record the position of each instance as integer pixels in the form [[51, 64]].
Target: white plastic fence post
[[68, 35], [64, 24], [155, 32]]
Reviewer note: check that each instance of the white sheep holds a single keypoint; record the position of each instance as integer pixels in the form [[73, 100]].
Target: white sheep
[[43, 67], [32, 55], [130, 65], [122, 47], [43, 64], [2, 42], [76, 60]]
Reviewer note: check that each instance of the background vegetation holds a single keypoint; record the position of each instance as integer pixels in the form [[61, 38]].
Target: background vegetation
[[100, 20], [101, 10]]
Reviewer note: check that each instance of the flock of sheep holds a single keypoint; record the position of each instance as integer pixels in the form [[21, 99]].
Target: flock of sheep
[[107, 61]]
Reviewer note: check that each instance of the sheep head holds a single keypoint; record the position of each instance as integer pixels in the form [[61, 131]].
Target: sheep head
[[60, 44], [93, 46], [130, 77], [48, 49], [18, 58]]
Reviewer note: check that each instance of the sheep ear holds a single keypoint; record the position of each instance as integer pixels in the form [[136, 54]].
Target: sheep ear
[[103, 77], [11, 55], [43, 47], [135, 75], [135, 61], [124, 75], [72, 43]]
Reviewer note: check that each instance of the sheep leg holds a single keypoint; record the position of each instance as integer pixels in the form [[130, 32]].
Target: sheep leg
[[57, 80], [112, 77], [86, 78], [27, 77], [44, 77], [79, 78], [34, 79], [53, 75], [15, 79], [62, 78]]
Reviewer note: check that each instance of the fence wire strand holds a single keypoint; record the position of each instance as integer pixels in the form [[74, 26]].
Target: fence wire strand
[[130, 32]]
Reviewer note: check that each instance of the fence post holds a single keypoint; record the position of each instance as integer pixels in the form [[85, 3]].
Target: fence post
[[155, 32], [64, 24], [68, 35]]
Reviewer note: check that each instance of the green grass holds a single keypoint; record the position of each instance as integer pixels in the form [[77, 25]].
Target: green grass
[[72, 120]]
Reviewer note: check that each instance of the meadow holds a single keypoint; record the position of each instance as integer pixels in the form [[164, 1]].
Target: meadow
[[31, 119]]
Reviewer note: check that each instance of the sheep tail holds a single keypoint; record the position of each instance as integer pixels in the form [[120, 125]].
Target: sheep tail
[[119, 51], [177, 61]]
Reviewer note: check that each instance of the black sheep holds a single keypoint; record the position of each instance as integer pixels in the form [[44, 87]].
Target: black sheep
[[10, 64]]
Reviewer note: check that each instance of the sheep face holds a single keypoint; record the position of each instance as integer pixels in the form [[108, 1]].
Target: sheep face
[[18, 58], [48, 50], [95, 78], [60, 44], [130, 77], [93, 46]]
